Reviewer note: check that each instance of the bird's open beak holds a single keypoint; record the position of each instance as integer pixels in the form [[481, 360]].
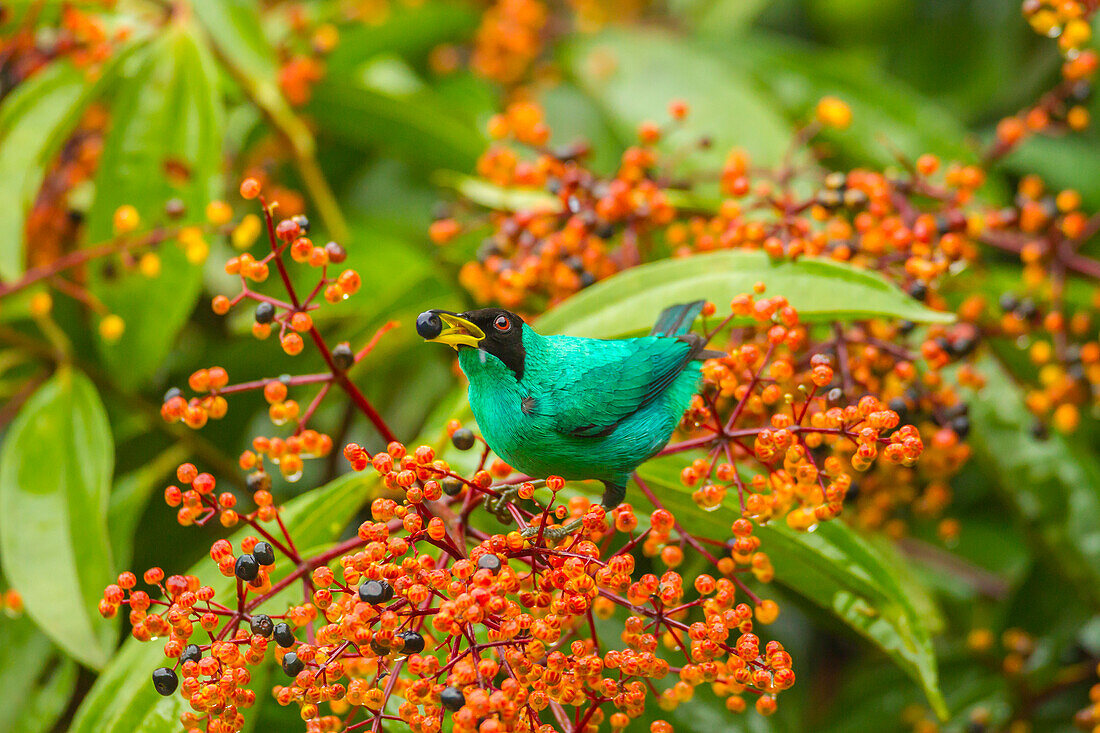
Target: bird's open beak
[[454, 330]]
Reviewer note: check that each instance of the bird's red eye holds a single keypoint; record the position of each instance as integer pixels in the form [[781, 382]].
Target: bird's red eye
[[502, 323]]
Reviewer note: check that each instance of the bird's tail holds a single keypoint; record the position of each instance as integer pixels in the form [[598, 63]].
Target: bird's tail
[[677, 319]]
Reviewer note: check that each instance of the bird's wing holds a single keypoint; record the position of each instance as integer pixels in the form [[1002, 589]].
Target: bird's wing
[[598, 384]]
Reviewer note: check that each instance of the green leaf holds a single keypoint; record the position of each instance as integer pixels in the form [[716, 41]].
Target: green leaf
[[129, 496], [499, 198], [35, 120], [168, 114], [55, 474], [831, 567], [885, 112], [36, 679], [821, 290], [634, 74], [416, 126], [123, 699], [1053, 484]]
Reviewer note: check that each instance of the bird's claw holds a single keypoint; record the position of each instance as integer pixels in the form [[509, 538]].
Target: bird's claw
[[498, 505], [554, 533]]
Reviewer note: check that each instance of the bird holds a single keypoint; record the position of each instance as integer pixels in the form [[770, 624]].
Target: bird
[[578, 408]]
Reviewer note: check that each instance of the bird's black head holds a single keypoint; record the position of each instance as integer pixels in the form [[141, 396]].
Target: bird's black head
[[494, 330]]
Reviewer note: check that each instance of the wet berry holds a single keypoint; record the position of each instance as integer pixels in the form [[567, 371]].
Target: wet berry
[[283, 636], [165, 681], [292, 665], [264, 553], [246, 568], [261, 625]]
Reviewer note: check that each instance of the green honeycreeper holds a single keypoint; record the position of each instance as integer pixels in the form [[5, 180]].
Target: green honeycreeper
[[579, 408]]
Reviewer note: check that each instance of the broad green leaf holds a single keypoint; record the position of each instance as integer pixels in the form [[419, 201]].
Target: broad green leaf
[[1053, 484], [416, 127], [409, 31], [35, 120], [634, 74], [491, 196], [832, 568], [130, 495], [36, 679], [886, 115], [123, 698], [55, 474], [821, 290], [164, 142]]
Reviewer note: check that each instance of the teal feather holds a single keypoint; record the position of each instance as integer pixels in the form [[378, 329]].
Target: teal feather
[[587, 408]]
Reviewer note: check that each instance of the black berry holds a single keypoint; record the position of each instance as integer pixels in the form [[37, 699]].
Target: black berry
[[375, 591], [429, 325], [463, 439], [264, 553], [261, 625], [412, 642], [246, 568], [452, 698], [284, 637], [191, 653], [342, 356], [292, 665], [490, 563], [265, 312], [165, 681], [452, 486], [174, 392]]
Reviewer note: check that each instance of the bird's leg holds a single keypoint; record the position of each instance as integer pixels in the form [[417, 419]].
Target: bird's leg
[[498, 505], [613, 495]]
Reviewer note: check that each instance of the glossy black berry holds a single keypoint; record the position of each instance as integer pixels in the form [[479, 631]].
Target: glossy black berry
[[961, 426], [375, 591], [174, 392], [264, 553], [261, 625], [1008, 302], [429, 325], [265, 312], [191, 653], [463, 439], [452, 486], [452, 698], [303, 223], [490, 563], [246, 568], [342, 356], [411, 642], [165, 681], [918, 290], [906, 327], [292, 665], [284, 637]]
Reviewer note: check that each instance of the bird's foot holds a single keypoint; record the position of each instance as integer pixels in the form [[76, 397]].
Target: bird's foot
[[554, 533], [498, 505]]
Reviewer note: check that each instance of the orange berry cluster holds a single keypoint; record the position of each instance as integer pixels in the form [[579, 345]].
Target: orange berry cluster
[[1064, 107], [493, 631], [509, 39]]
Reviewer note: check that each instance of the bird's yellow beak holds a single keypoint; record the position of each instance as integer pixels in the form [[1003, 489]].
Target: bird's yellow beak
[[457, 331]]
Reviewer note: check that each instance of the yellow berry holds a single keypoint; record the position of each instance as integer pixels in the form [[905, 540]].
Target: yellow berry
[[218, 213], [41, 304], [833, 112], [149, 264], [111, 327]]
